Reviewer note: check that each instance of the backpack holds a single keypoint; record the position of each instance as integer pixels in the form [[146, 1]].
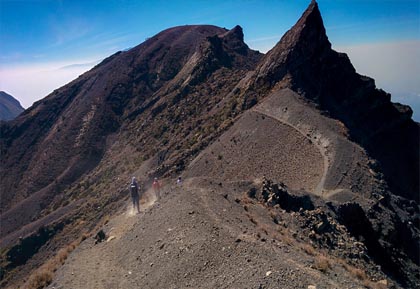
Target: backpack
[[133, 189]]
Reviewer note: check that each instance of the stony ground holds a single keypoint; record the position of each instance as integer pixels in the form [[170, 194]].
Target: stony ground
[[207, 233], [190, 102], [286, 139], [201, 235]]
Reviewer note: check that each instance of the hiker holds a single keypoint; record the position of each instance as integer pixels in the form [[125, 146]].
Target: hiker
[[156, 188], [135, 197], [179, 181]]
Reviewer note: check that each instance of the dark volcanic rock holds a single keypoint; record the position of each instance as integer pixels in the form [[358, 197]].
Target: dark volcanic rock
[[27, 247], [383, 231], [277, 194], [303, 46]]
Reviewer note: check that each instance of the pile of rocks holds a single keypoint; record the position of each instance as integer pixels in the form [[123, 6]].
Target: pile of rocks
[[326, 232], [277, 194]]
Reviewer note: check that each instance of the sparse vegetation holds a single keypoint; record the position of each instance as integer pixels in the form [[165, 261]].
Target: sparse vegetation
[[343, 129], [308, 249], [361, 275], [322, 263], [358, 273], [43, 276], [40, 279]]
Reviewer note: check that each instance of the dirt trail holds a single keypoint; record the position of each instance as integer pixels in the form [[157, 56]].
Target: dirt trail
[[97, 266], [125, 221], [286, 139], [287, 104], [199, 236], [344, 162], [204, 235], [217, 215], [258, 145]]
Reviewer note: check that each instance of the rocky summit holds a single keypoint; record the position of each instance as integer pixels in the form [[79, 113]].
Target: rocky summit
[[279, 170]]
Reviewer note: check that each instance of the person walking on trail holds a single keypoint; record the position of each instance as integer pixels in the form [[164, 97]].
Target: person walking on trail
[[156, 188], [179, 181], [135, 197]]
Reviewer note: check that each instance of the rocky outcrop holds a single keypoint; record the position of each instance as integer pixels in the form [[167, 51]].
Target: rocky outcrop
[[274, 194], [378, 228], [28, 246], [385, 233]]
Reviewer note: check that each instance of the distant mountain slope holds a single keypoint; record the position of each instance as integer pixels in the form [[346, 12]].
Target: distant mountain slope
[[9, 106]]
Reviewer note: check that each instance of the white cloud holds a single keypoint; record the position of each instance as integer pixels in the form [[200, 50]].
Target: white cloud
[[395, 66], [29, 83], [87, 65], [67, 30]]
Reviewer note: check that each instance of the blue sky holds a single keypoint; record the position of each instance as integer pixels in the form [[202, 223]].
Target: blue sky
[[40, 37]]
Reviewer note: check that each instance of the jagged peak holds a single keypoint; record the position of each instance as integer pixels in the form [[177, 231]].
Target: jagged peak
[[234, 40], [311, 10], [304, 40], [236, 32], [309, 29]]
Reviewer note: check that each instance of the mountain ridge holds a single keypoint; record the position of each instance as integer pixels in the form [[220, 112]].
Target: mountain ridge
[[196, 100], [368, 113]]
